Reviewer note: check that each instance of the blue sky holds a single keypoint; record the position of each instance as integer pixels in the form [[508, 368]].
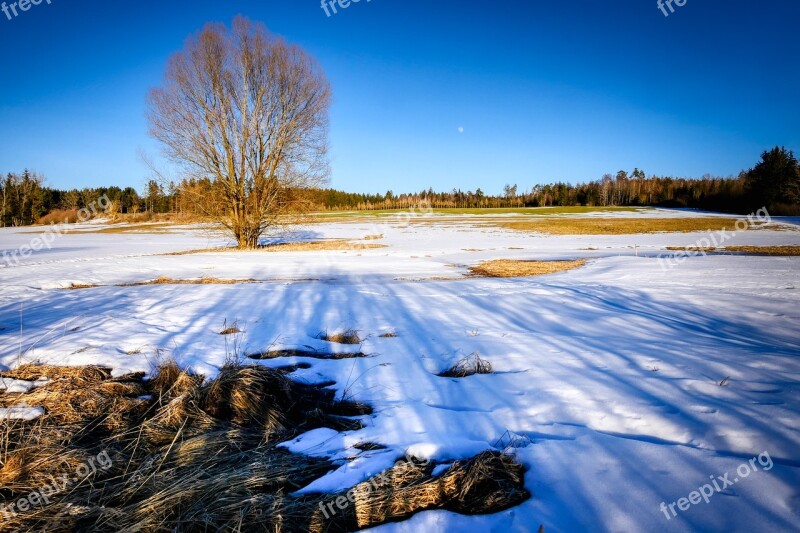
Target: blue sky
[[543, 90]]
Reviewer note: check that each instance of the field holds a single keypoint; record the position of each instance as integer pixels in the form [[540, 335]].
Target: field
[[621, 372]]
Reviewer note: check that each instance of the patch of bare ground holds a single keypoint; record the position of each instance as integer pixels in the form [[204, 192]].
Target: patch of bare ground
[[164, 280], [765, 250], [181, 453], [692, 248], [312, 246], [274, 354], [303, 246], [748, 250], [623, 226], [432, 278], [511, 268]]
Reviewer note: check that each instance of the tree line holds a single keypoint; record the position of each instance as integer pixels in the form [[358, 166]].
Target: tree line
[[773, 182]]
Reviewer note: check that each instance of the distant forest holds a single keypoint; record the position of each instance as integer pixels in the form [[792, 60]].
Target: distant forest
[[773, 182]]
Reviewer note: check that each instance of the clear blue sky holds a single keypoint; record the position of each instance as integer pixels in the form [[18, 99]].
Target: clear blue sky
[[544, 90]]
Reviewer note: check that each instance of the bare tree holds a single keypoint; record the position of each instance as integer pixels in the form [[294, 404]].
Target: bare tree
[[248, 113]]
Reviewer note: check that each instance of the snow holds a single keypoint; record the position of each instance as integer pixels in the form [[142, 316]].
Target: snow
[[20, 412], [611, 371]]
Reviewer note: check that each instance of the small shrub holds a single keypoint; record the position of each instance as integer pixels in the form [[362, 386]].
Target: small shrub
[[469, 366], [349, 336], [59, 216]]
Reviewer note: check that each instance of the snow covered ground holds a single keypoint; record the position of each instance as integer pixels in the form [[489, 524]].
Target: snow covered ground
[[606, 378]]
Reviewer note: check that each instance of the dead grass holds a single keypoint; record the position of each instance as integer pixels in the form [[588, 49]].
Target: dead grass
[[165, 280], [432, 278], [59, 216], [621, 226], [469, 366], [230, 330], [349, 336], [321, 245], [304, 246], [274, 354], [187, 454], [511, 268], [765, 250], [749, 250]]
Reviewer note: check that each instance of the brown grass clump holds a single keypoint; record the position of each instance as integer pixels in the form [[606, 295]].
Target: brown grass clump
[[349, 336], [186, 454], [303, 246], [165, 280], [59, 216], [621, 226], [765, 250], [313, 246], [469, 366], [487, 483], [509, 268], [274, 354], [749, 250], [697, 249]]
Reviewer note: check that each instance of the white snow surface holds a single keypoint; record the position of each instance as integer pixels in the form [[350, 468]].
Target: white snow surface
[[609, 375]]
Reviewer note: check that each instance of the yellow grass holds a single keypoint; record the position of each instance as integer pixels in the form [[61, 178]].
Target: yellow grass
[[765, 250], [752, 250], [165, 280], [509, 268], [621, 226], [340, 244], [310, 246]]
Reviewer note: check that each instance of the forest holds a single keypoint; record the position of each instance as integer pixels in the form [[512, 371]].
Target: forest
[[774, 182]]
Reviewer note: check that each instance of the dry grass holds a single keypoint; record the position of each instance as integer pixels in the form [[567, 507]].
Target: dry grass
[[187, 454], [59, 216], [165, 280], [313, 246], [349, 336], [621, 226], [432, 278], [692, 248], [765, 250], [274, 354], [374, 237], [469, 366], [304, 246], [749, 250], [511, 268]]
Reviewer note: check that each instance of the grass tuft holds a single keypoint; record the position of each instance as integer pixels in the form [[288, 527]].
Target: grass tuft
[[349, 336], [469, 366]]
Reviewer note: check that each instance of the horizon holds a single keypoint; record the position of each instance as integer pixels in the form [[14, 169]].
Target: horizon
[[547, 94]]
